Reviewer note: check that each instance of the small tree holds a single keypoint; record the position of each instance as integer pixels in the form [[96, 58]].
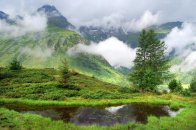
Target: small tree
[[65, 73], [175, 86], [15, 65]]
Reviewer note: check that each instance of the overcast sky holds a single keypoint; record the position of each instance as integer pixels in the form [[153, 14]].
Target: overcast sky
[[84, 11]]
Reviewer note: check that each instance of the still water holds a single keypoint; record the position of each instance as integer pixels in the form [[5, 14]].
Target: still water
[[106, 116]]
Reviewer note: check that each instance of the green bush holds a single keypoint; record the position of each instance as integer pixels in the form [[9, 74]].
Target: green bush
[[175, 86], [128, 89], [25, 76], [185, 92], [100, 94], [69, 86], [72, 93], [5, 74], [193, 85], [15, 65]]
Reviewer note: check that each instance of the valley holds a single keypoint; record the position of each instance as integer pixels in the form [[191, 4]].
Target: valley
[[58, 74]]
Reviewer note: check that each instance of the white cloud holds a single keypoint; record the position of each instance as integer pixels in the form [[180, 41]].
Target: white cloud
[[114, 51], [113, 20], [181, 39], [188, 64], [29, 23], [79, 12], [118, 21], [146, 20]]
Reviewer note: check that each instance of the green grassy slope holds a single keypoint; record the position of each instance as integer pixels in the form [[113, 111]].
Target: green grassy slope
[[96, 66], [54, 39], [43, 84], [48, 49]]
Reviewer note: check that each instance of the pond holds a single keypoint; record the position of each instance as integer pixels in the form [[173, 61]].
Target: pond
[[105, 116]]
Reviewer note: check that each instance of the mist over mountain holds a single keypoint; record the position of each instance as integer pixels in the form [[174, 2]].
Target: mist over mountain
[[97, 65], [110, 41]]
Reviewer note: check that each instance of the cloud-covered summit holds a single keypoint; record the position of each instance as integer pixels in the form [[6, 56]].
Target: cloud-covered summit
[[81, 12]]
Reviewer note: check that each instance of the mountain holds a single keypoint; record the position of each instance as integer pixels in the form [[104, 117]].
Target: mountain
[[3, 16], [55, 17], [170, 25], [98, 34], [47, 49]]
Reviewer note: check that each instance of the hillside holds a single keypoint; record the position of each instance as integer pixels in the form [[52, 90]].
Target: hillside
[[44, 84], [48, 49], [38, 50]]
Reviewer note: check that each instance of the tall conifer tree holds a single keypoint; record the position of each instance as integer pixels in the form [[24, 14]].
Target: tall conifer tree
[[150, 65]]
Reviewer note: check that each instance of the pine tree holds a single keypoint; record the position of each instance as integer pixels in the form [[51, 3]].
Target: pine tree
[[150, 65], [65, 73]]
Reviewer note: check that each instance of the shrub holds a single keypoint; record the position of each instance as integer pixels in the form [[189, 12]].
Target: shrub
[[69, 86], [72, 93], [100, 94], [193, 85], [128, 89], [15, 65], [175, 86], [5, 74], [185, 92]]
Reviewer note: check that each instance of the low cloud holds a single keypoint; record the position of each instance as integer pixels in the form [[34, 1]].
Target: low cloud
[[183, 41], [107, 22], [188, 64], [113, 50], [28, 23], [118, 21], [171, 10], [146, 20], [37, 52]]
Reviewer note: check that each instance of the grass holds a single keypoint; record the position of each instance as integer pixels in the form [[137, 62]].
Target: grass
[[186, 120], [139, 98], [43, 84], [41, 87]]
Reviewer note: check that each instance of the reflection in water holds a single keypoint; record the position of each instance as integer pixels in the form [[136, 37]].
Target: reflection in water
[[98, 115], [113, 110]]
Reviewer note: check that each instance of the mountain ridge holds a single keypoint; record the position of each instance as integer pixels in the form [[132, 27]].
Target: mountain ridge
[[55, 17]]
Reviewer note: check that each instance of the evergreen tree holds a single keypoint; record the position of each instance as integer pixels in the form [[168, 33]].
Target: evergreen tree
[[150, 65], [15, 65], [193, 85], [65, 73]]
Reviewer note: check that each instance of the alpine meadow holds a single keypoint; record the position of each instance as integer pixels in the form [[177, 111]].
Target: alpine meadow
[[97, 65]]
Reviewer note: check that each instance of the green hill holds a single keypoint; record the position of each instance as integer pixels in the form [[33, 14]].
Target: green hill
[[47, 49], [44, 84]]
